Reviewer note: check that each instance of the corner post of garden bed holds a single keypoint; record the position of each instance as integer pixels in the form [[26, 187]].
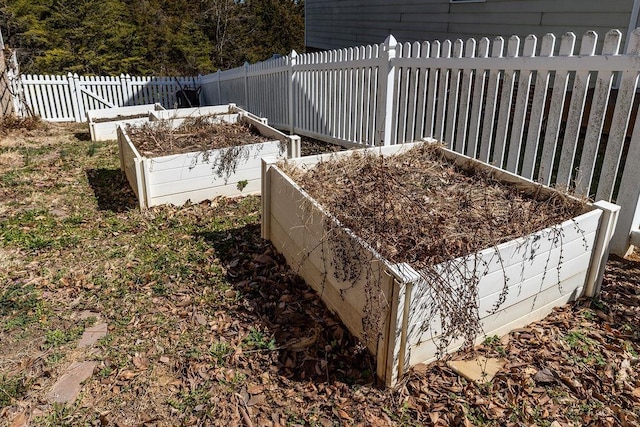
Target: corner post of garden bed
[[265, 223], [393, 359], [608, 221], [294, 143]]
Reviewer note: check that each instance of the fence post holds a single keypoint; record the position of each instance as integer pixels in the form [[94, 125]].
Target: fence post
[[628, 197], [124, 87], [293, 59], [219, 100], [16, 83], [387, 74], [246, 86], [75, 97]]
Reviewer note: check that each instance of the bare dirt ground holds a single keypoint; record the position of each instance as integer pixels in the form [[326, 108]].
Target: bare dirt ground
[[208, 326]]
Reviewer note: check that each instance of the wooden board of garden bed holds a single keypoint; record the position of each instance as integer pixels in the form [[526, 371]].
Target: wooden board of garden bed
[[199, 159], [103, 123], [420, 250]]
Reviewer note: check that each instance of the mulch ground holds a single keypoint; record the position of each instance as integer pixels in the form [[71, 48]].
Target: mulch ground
[[208, 325]]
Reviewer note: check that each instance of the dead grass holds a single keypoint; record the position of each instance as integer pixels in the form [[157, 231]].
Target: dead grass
[[208, 326]]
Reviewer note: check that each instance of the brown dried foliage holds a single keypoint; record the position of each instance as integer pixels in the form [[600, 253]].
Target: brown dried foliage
[[419, 208], [13, 123], [194, 134]]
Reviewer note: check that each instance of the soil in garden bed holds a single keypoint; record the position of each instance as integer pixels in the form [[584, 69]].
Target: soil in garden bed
[[311, 146], [120, 117], [194, 134], [419, 208]]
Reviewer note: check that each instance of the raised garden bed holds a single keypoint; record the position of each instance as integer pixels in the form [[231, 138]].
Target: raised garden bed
[[169, 162], [103, 122], [413, 297]]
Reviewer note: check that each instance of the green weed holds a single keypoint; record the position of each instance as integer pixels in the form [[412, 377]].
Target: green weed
[[58, 337], [219, 352], [242, 184], [257, 339], [493, 342]]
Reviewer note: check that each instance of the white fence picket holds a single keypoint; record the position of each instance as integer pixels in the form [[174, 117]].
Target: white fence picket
[[486, 143], [537, 110], [504, 110], [554, 117], [621, 114], [443, 92], [431, 95], [477, 100], [520, 109], [452, 108], [574, 118], [599, 104], [465, 99]]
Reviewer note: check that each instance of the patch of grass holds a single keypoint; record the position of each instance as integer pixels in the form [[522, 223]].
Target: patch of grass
[[20, 306], [58, 337], [219, 352], [36, 230], [54, 358], [402, 415], [10, 179], [587, 348], [585, 408], [11, 389], [258, 340], [60, 415], [578, 340], [91, 149]]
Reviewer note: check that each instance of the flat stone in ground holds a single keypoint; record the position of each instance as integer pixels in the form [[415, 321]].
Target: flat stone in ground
[[480, 369], [92, 334], [68, 386]]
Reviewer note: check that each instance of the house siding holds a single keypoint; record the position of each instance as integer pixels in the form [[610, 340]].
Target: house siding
[[332, 24]]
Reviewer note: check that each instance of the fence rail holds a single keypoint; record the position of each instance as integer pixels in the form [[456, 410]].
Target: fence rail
[[67, 98], [537, 108]]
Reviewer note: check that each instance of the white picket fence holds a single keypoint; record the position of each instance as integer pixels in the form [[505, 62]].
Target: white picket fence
[[538, 109], [67, 98]]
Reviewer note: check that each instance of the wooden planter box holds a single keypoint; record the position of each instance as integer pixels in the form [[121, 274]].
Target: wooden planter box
[[103, 122], [178, 178], [557, 270]]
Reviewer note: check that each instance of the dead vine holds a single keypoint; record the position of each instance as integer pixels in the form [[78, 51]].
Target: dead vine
[[420, 209], [195, 134]]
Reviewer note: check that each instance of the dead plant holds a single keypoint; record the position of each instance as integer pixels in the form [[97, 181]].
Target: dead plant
[[418, 208]]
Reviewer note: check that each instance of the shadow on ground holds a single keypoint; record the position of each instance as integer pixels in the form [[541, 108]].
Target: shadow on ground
[[82, 136], [111, 189], [312, 342]]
